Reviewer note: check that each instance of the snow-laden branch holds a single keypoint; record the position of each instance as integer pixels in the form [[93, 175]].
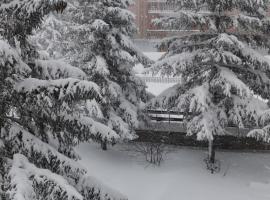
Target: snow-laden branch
[[31, 6], [56, 69], [29, 182], [10, 57], [43, 154], [91, 187], [261, 134], [61, 89]]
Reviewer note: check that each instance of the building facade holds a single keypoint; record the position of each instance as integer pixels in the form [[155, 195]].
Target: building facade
[[148, 10]]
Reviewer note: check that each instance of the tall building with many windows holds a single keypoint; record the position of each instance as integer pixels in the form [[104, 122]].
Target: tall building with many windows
[[147, 10]]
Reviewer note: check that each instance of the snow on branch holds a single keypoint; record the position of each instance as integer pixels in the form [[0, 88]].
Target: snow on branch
[[256, 59], [194, 100], [93, 109], [246, 112], [120, 126], [120, 14], [222, 49], [167, 99], [227, 40], [92, 129], [99, 25], [11, 61], [129, 113], [31, 6], [90, 188], [228, 81], [56, 69], [206, 126], [197, 99], [134, 51], [247, 22], [261, 134], [124, 57], [233, 44], [264, 117], [204, 15], [61, 89], [173, 65], [29, 182], [186, 20], [100, 66], [43, 154], [252, 6]]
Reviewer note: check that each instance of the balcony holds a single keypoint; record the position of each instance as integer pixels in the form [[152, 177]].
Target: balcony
[[159, 11], [157, 1]]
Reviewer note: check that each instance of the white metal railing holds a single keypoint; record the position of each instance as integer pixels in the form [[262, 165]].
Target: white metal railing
[[157, 1], [159, 11], [171, 30], [150, 79]]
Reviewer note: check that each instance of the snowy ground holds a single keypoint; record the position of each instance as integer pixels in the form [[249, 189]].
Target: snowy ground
[[244, 176], [154, 55], [154, 88], [157, 88]]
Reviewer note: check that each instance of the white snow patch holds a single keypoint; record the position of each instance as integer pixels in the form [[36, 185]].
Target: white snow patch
[[154, 55], [183, 175], [139, 68], [157, 88], [154, 88]]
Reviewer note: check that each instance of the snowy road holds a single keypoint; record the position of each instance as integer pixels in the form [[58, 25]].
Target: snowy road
[[182, 176]]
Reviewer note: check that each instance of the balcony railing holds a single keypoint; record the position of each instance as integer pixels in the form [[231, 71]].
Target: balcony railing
[[157, 1], [159, 11]]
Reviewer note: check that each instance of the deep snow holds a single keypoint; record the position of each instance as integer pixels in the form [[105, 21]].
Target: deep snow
[[243, 176]]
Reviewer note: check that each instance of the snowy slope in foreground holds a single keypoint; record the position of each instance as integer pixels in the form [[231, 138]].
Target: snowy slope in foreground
[[182, 176]]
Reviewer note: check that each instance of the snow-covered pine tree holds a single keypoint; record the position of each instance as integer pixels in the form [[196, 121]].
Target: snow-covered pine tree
[[54, 37], [97, 40], [222, 66], [41, 120], [49, 39]]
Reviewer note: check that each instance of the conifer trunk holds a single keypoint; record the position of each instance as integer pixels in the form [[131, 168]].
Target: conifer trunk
[[2, 176], [211, 152], [104, 145]]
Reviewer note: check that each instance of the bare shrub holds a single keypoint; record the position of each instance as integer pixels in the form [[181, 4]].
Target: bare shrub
[[154, 153]]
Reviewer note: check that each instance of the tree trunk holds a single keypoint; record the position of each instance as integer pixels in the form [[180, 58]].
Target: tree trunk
[[2, 177], [211, 152], [104, 145]]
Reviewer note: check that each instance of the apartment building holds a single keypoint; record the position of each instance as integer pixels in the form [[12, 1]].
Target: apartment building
[[146, 11]]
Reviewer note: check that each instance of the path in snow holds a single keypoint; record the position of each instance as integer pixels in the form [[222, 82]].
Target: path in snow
[[182, 176]]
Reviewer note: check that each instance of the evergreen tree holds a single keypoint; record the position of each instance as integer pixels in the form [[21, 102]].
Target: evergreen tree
[[97, 40], [42, 115], [49, 38], [222, 66]]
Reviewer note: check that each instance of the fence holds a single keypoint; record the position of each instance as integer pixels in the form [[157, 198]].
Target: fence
[[152, 79], [168, 127]]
